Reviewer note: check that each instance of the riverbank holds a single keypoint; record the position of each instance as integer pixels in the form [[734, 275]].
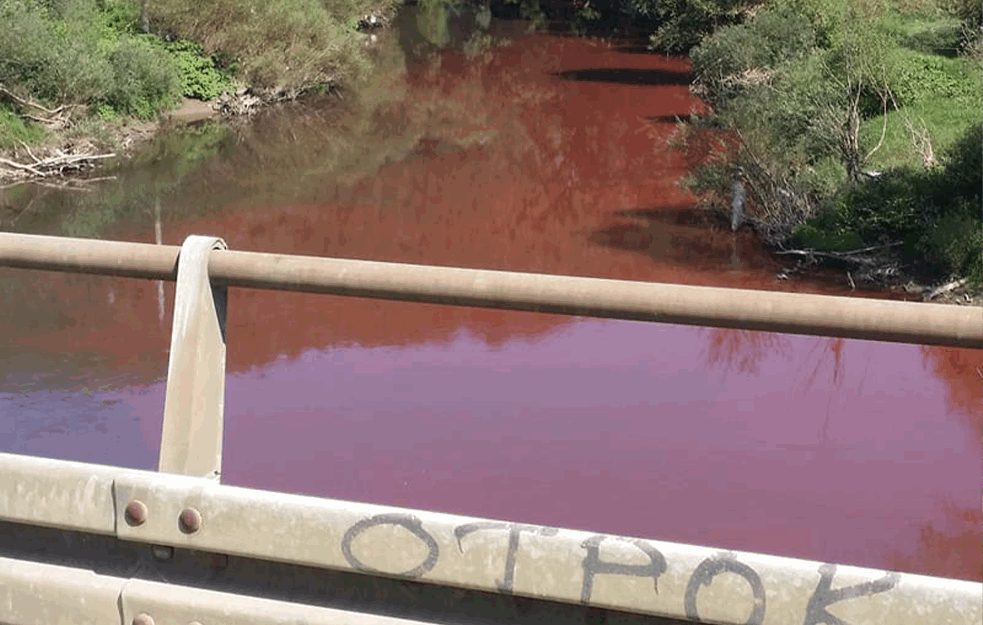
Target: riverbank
[[87, 82], [856, 136]]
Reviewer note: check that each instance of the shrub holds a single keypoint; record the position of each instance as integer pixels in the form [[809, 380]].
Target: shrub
[[145, 79], [287, 44], [53, 55], [69, 52], [936, 213], [199, 74], [726, 61], [684, 23]]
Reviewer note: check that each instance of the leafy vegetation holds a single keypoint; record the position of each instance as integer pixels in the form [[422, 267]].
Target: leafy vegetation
[[856, 125], [280, 45], [71, 52], [111, 59]]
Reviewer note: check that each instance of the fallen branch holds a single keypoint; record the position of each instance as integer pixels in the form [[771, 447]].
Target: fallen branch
[[945, 288], [29, 103], [17, 165], [872, 248], [849, 257], [53, 166]]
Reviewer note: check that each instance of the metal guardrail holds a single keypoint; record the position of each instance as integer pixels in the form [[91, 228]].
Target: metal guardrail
[[183, 509], [796, 313]]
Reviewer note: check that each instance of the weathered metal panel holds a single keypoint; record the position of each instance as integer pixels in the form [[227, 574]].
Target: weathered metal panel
[[42, 594], [56, 493], [194, 404], [633, 575], [164, 604], [643, 576], [32, 593]]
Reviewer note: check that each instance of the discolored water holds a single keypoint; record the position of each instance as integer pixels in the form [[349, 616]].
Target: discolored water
[[547, 155]]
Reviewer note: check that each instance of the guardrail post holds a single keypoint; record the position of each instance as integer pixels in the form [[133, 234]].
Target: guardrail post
[[194, 404]]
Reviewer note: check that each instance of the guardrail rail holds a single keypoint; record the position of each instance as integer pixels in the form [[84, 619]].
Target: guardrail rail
[[85, 543]]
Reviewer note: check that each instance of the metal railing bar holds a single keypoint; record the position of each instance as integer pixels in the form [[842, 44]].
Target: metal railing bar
[[794, 313]]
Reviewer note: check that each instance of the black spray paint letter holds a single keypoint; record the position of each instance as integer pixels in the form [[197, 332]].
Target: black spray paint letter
[[714, 566], [515, 530], [824, 596], [593, 565], [408, 521]]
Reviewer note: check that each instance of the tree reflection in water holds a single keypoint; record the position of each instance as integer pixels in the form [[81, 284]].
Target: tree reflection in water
[[962, 372], [742, 351], [950, 547]]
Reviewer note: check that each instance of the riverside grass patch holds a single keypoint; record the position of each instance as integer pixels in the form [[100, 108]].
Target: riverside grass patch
[[280, 44], [74, 52]]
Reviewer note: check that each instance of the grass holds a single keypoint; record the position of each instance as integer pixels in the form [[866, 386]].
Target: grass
[[279, 45], [14, 130], [94, 55], [945, 121]]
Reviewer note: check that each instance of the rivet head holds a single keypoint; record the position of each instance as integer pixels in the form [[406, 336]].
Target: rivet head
[[143, 619], [189, 520], [136, 512]]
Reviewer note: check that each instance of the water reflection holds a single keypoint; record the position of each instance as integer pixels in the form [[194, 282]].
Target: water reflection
[[742, 350], [511, 159]]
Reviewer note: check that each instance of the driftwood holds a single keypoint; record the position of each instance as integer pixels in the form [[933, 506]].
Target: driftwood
[[54, 165], [853, 256], [51, 118], [945, 288]]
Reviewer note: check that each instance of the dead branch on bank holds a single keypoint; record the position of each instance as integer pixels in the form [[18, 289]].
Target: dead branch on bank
[[58, 164], [852, 257], [945, 288], [52, 119]]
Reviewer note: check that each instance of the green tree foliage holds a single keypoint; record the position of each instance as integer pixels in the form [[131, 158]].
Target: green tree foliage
[[69, 52], [283, 45], [935, 212], [807, 87], [684, 23], [199, 74]]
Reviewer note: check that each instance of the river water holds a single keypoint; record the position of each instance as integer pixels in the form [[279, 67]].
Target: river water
[[544, 154]]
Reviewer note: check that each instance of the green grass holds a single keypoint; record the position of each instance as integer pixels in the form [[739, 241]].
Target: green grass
[[281, 44], [14, 130], [946, 103]]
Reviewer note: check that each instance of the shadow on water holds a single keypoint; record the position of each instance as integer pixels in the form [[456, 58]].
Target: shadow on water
[[685, 236], [628, 76], [667, 119]]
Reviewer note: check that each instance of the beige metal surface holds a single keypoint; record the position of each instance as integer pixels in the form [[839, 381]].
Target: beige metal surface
[[179, 605], [57, 494], [32, 593], [633, 575], [727, 308], [191, 440], [39, 594]]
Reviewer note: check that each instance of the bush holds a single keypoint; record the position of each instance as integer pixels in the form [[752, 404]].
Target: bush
[[283, 45], [684, 23], [936, 213], [145, 80], [724, 62], [54, 56], [70, 52], [199, 74]]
